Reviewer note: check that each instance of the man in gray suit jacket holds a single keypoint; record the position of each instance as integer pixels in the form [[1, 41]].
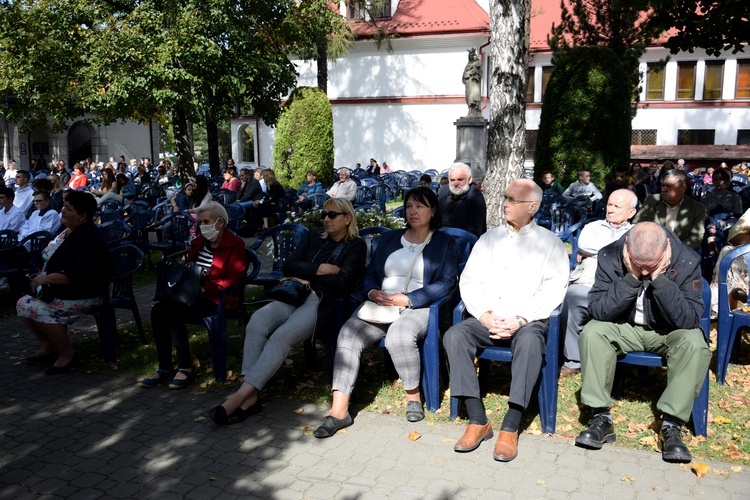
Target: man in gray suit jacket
[[674, 210]]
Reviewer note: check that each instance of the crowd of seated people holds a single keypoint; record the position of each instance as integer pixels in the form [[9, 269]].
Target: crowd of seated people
[[509, 300]]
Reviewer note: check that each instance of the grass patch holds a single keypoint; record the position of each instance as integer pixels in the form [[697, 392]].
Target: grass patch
[[379, 391]]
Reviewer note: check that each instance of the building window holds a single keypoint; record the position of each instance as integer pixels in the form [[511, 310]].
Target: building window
[[686, 80], [529, 85], [743, 137], [40, 148], [643, 137], [697, 137], [655, 83], [743, 79], [714, 79], [546, 74], [355, 10], [383, 9], [531, 136]]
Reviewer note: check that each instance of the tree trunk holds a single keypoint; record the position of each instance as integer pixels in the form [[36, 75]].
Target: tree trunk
[[183, 141], [212, 134], [506, 137], [323, 65]]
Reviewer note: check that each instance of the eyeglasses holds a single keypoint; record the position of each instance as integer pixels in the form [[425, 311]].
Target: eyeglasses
[[514, 201], [331, 215]]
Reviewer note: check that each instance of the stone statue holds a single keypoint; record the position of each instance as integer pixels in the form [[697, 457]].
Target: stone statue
[[472, 78]]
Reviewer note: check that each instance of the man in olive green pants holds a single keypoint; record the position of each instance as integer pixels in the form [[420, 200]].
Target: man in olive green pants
[[646, 297]]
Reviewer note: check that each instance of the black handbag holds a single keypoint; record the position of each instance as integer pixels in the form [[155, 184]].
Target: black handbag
[[178, 282], [291, 291]]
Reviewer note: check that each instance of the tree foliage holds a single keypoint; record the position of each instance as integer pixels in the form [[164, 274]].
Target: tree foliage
[[585, 118], [617, 24], [135, 59], [304, 138], [712, 25]]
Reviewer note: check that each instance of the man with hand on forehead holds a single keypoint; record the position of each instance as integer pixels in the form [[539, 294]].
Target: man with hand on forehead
[[647, 296]]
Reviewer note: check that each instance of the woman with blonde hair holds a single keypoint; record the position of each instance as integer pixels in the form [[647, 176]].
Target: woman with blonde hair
[[332, 262]]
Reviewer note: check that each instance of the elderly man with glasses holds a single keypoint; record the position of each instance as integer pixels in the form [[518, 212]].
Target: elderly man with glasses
[[345, 188], [515, 277]]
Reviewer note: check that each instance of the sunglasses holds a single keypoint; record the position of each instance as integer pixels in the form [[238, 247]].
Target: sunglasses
[[331, 215]]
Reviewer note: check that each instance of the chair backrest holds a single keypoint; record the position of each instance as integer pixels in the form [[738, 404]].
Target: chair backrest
[[138, 223], [571, 235], [136, 206], [225, 196], [363, 196], [126, 260], [371, 236], [236, 213], [381, 194], [281, 241], [179, 229], [564, 215], [37, 242], [108, 216], [399, 211], [115, 231], [8, 238], [368, 181], [161, 210], [151, 192], [318, 199], [433, 173], [109, 205], [465, 241]]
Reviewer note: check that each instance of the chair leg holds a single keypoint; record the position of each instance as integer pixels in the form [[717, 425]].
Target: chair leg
[[217, 339], [455, 407], [138, 322], [548, 398], [107, 328], [309, 347], [700, 410], [618, 387]]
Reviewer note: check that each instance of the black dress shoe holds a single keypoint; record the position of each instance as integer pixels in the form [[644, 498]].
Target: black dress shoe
[[241, 415], [56, 370], [673, 449], [331, 426], [219, 415], [600, 431], [44, 360]]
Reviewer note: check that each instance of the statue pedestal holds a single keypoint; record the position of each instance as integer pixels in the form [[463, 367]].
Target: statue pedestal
[[471, 144]]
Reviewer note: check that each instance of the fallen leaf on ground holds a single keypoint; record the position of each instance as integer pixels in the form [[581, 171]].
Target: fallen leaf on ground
[[736, 468], [629, 479], [9, 400], [696, 440], [721, 472], [619, 419], [721, 420], [448, 440], [649, 441], [308, 429], [414, 435], [430, 424], [299, 410], [631, 435], [199, 419], [213, 478], [541, 481], [700, 469]]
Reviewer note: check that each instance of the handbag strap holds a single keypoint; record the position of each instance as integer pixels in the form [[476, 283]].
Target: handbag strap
[[336, 252], [414, 262]]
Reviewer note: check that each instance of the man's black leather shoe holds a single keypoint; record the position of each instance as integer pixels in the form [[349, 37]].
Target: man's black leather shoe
[[600, 431], [672, 447]]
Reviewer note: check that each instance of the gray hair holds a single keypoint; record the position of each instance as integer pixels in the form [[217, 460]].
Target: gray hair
[[678, 174], [632, 198], [646, 240], [458, 165], [215, 209]]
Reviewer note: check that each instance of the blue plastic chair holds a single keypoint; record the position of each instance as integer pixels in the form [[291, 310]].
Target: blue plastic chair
[[371, 236], [465, 241], [127, 260], [700, 405], [115, 232], [729, 321], [236, 214], [547, 380], [363, 197], [217, 325], [318, 199], [283, 239]]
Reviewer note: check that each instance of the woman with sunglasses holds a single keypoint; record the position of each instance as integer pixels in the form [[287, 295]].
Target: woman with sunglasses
[[420, 260], [333, 263]]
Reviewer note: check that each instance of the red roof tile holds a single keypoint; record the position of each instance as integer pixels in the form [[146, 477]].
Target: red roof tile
[[431, 17]]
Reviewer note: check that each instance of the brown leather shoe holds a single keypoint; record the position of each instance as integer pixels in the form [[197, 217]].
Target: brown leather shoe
[[506, 446], [569, 372], [473, 437]]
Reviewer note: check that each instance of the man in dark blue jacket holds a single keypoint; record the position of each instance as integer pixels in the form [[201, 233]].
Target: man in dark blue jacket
[[646, 297]]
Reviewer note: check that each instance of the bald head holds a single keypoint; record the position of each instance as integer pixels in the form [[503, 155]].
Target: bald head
[[621, 206], [530, 190], [646, 243]]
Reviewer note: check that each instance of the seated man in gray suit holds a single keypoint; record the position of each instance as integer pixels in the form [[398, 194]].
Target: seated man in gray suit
[[672, 209]]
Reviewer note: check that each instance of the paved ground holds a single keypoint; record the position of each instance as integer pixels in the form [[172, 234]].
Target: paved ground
[[97, 435]]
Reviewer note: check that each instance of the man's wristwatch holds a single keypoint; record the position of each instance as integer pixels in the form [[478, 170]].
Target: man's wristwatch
[[521, 321]]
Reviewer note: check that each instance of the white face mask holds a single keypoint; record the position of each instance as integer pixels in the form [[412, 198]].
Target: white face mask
[[209, 231]]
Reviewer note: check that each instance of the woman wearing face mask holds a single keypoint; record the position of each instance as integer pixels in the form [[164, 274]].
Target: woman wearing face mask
[[221, 254]]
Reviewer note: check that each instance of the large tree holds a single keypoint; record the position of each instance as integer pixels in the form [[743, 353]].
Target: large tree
[[506, 137], [133, 59]]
